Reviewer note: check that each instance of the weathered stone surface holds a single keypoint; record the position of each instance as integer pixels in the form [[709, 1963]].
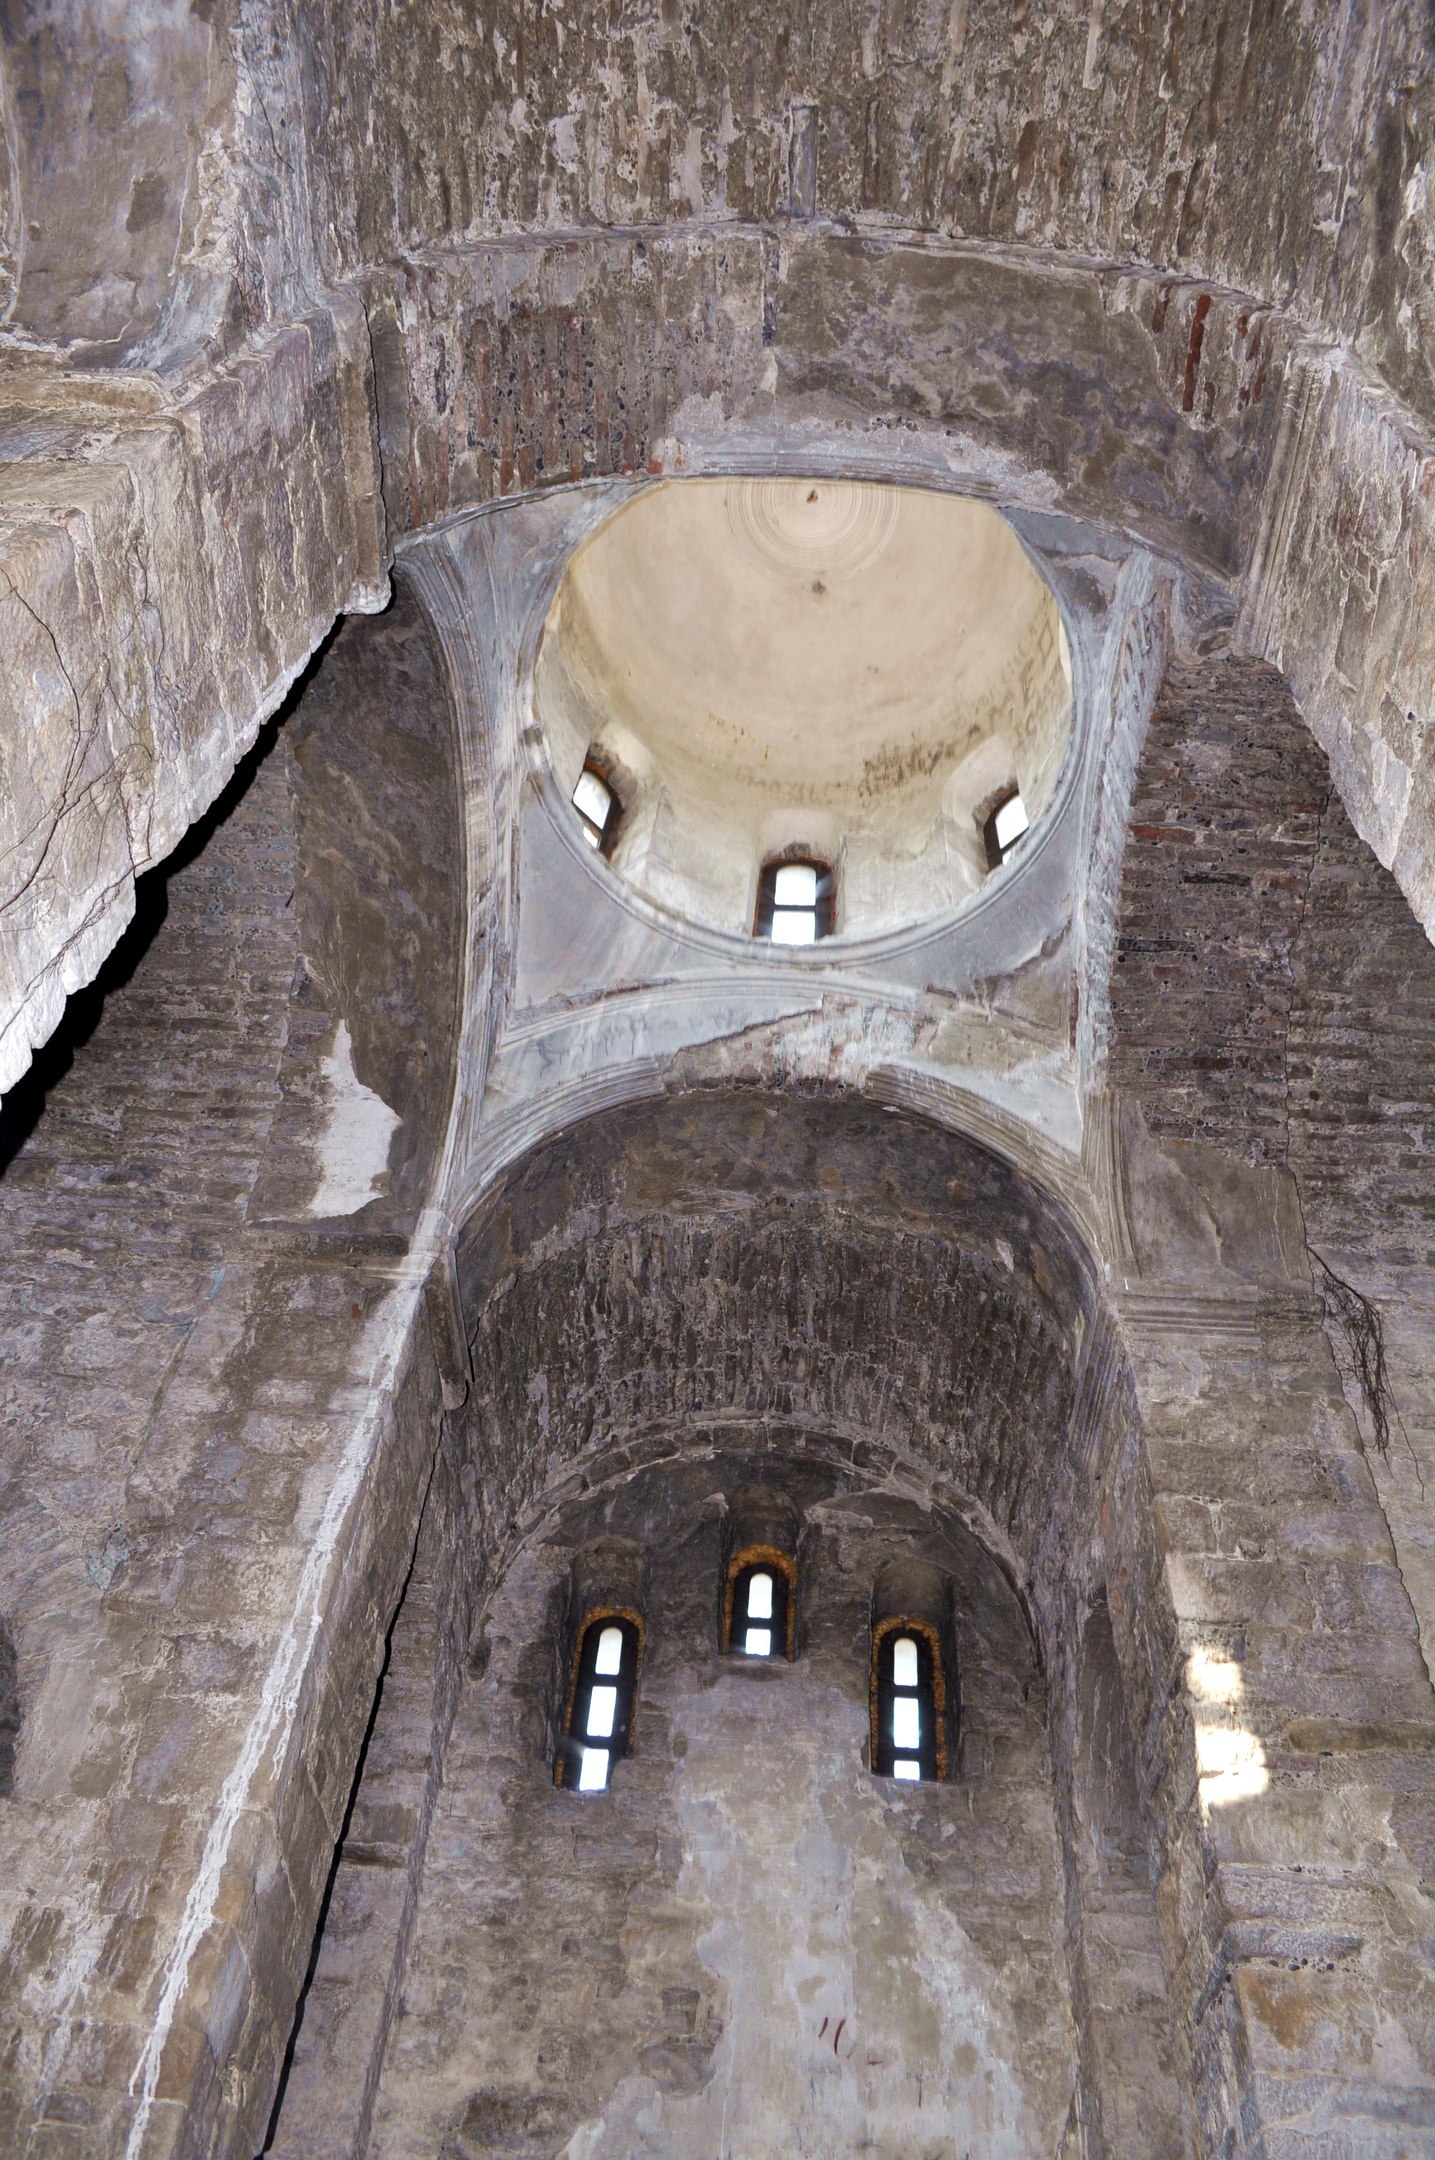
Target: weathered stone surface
[[170, 562], [202, 1371], [1225, 819], [1336, 598], [402, 1175], [1261, 152]]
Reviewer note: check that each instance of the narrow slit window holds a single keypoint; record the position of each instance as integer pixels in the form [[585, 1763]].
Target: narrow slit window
[[600, 1713], [598, 808], [760, 1613], [1004, 828], [759, 1605], [908, 1698], [794, 902]]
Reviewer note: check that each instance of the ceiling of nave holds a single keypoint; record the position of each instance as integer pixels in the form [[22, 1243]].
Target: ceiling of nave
[[308, 280], [804, 639]]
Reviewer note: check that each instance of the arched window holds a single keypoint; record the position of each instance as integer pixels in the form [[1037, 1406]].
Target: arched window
[[599, 810], [1005, 826], [908, 1702], [795, 901], [759, 1607], [600, 1704]]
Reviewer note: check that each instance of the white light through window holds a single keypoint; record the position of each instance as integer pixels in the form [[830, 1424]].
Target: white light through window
[[593, 1770], [793, 910], [794, 905], [759, 1598], [602, 1709], [1011, 822], [600, 1713], [906, 1722], [610, 1652], [593, 801], [906, 1732], [795, 885], [758, 1642]]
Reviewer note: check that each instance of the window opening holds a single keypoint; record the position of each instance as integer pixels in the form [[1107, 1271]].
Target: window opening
[[597, 806], [1004, 828], [760, 1613], [759, 1608], [794, 902], [908, 1703], [600, 1710]]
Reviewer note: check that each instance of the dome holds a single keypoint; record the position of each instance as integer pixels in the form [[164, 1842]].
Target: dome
[[768, 668]]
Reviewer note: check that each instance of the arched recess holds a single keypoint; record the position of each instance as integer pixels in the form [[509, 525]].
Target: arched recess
[[816, 1262], [692, 1293], [749, 1942]]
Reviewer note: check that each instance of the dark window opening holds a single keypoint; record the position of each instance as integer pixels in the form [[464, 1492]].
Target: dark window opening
[[759, 1605], [1004, 828], [599, 810], [908, 1703], [795, 901], [600, 1710]]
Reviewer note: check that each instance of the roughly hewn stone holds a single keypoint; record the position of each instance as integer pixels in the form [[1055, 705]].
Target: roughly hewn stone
[[170, 560], [406, 1177]]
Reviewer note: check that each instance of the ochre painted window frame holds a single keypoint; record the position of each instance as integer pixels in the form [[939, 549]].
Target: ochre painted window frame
[[896, 1626], [592, 1619], [782, 1564]]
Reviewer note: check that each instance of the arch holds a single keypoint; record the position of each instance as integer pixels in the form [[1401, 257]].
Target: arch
[[824, 1265]]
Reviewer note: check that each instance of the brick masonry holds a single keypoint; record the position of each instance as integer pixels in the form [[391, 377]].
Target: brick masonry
[[1225, 819], [195, 1364]]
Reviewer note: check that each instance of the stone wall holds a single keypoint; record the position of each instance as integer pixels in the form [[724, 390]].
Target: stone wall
[[1225, 816], [1362, 1040], [1238, 147], [221, 1403], [1272, 989], [1273, 997], [749, 1938]]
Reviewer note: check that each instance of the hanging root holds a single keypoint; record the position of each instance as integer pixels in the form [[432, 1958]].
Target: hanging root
[[1361, 1330]]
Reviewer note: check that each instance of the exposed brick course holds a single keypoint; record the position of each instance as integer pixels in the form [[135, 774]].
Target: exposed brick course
[[1225, 819], [1362, 1053]]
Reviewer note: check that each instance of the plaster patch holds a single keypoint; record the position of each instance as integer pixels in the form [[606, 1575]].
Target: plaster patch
[[860, 2016], [353, 1150]]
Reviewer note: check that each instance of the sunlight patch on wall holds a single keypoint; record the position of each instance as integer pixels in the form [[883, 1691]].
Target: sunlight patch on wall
[[1230, 1760]]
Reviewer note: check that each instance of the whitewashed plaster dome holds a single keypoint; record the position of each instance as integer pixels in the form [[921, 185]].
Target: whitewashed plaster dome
[[855, 670]]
